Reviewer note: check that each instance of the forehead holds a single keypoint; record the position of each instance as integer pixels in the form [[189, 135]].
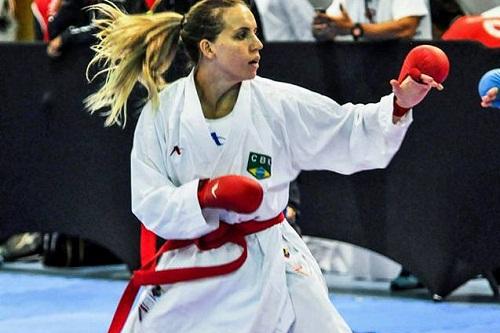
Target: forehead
[[237, 17]]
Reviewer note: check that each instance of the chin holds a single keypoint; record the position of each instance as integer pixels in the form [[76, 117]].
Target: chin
[[246, 75], [252, 75]]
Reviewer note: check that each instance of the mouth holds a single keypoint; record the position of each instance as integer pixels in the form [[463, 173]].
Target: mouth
[[254, 62]]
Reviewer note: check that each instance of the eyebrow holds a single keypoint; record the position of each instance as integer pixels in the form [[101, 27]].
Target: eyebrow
[[245, 28]]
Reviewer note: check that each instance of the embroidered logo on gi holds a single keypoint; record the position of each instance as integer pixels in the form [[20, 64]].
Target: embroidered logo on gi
[[214, 189], [176, 150], [150, 300], [259, 165], [219, 140]]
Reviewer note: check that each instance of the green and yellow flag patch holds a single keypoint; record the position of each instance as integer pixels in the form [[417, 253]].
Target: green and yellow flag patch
[[259, 165]]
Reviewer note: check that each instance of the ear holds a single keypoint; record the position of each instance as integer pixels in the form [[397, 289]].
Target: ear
[[206, 49]]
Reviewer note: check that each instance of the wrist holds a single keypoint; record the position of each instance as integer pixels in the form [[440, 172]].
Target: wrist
[[357, 31], [398, 111]]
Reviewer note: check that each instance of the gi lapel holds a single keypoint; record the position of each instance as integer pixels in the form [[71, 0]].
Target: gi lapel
[[210, 160], [194, 132], [234, 153]]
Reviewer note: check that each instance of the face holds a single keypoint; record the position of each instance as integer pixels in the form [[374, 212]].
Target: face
[[235, 52]]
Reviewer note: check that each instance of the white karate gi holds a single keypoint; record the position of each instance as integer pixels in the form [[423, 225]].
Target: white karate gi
[[299, 130]]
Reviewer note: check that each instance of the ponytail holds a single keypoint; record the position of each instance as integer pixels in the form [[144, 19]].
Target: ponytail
[[131, 49]]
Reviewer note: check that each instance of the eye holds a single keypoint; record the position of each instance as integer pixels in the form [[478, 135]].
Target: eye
[[241, 35]]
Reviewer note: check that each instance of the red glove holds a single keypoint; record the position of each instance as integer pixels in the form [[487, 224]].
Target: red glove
[[425, 59], [233, 192]]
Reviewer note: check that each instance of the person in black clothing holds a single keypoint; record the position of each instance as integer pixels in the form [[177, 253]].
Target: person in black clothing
[[72, 25]]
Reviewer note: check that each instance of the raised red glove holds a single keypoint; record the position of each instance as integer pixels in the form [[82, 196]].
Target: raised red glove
[[233, 192], [425, 59]]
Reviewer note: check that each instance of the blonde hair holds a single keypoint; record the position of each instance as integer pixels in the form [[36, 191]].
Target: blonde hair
[[131, 48], [141, 48]]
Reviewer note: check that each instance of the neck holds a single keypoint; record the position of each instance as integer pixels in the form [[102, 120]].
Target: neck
[[217, 95]]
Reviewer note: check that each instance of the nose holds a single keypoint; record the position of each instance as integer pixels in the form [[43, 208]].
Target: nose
[[256, 44]]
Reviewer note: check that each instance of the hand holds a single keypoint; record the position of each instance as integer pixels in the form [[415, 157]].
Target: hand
[[329, 26], [488, 88], [321, 29], [234, 193], [343, 23], [411, 92], [490, 97], [54, 47], [291, 214], [428, 60], [53, 7], [425, 67]]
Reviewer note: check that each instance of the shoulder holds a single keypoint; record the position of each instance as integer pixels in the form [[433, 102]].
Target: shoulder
[[279, 101], [172, 90], [287, 94], [170, 98], [278, 91]]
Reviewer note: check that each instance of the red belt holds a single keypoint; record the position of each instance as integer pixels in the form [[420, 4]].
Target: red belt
[[146, 275]]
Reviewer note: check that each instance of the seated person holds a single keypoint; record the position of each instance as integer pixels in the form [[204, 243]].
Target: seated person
[[357, 19]]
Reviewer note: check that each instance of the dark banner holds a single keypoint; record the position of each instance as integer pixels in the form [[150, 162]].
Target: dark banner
[[435, 209]]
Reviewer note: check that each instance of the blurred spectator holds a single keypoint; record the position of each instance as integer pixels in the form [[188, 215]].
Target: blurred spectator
[[369, 19], [72, 24], [8, 23], [285, 20], [484, 28], [43, 12]]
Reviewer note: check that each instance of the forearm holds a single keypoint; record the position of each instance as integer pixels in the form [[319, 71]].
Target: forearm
[[169, 211], [404, 28], [348, 138], [12, 7]]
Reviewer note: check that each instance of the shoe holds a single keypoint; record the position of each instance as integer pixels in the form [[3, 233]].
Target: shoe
[[406, 282], [21, 246]]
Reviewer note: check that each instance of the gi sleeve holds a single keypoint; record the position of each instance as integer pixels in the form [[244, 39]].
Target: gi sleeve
[[324, 135], [170, 211]]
